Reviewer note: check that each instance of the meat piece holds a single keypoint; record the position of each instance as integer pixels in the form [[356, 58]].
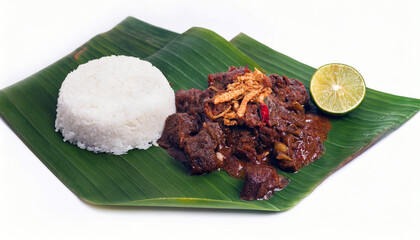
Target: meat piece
[[268, 136], [234, 167], [245, 146], [201, 150], [261, 181], [289, 90], [252, 117], [303, 151], [178, 126], [305, 148], [186, 100], [283, 118], [192, 101], [221, 80]]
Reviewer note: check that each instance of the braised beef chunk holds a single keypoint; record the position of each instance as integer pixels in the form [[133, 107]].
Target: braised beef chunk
[[282, 117], [187, 100], [234, 167], [261, 181], [252, 116], [302, 147], [250, 126], [289, 90], [245, 146], [201, 149], [179, 126], [192, 101], [221, 80]]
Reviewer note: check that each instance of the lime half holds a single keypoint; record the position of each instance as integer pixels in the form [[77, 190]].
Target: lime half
[[337, 88]]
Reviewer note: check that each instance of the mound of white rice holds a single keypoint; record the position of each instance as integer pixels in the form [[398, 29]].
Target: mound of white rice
[[114, 104]]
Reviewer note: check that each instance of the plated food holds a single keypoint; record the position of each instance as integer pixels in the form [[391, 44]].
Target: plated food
[[246, 123], [151, 177]]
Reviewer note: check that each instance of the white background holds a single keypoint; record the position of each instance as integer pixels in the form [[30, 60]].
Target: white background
[[376, 196]]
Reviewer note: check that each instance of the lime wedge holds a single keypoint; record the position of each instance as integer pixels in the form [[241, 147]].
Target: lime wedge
[[337, 88]]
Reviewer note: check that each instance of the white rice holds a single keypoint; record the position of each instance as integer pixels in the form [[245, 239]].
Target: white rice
[[114, 104]]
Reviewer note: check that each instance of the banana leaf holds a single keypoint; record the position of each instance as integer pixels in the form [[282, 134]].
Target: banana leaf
[[151, 177]]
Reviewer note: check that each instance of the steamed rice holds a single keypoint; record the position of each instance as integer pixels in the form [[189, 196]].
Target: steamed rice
[[114, 104]]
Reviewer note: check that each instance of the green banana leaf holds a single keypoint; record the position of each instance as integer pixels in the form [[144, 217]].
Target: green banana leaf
[[152, 177]]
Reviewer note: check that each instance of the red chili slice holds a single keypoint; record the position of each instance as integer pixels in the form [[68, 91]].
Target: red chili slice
[[265, 115]]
